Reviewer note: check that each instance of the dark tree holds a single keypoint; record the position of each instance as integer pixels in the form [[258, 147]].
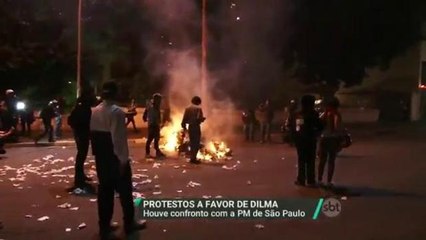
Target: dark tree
[[335, 41]]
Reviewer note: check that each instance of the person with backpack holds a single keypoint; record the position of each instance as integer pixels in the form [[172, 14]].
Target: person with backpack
[[79, 121], [46, 115], [308, 127], [330, 140]]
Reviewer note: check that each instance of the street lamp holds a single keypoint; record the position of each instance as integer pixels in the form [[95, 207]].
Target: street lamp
[[79, 48], [204, 52]]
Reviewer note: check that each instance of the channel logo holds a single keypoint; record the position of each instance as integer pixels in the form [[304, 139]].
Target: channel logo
[[331, 207]]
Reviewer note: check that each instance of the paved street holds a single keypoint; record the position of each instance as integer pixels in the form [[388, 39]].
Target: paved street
[[383, 173]]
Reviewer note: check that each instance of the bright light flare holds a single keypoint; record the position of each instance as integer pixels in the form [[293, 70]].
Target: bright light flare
[[20, 106]]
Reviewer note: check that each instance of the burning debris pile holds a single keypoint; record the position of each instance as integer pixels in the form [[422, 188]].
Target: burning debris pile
[[175, 139]]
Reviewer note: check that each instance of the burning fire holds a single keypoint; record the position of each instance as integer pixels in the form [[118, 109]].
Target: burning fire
[[174, 139]]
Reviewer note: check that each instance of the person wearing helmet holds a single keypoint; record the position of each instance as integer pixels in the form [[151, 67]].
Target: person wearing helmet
[[192, 119], [152, 115], [46, 115]]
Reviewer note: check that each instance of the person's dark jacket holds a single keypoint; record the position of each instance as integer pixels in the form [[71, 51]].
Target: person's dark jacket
[[249, 117], [47, 113], [6, 120], [79, 118], [307, 125]]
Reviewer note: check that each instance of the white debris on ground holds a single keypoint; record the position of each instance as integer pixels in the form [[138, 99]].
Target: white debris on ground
[[28, 216], [255, 161], [65, 205], [206, 197], [259, 226], [233, 167], [138, 195], [82, 225], [42, 219], [93, 200], [147, 181], [184, 171], [248, 182], [67, 229], [157, 193], [156, 165], [193, 184], [344, 198]]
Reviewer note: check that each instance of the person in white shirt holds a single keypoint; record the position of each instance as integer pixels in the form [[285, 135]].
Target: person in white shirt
[[110, 148]]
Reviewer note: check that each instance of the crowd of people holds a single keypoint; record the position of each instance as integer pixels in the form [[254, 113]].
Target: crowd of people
[[308, 130], [19, 116], [103, 126]]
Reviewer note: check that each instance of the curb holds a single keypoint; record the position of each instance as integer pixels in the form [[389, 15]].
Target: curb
[[64, 143]]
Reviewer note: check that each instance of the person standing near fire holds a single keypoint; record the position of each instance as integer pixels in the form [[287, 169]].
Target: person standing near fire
[[108, 136], [191, 122], [152, 115], [249, 120]]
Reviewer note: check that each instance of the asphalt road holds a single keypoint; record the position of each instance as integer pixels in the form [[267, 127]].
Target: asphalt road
[[383, 175]]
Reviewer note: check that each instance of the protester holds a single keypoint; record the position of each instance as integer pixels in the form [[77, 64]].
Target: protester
[[290, 122], [330, 140], [191, 121], [6, 125], [46, 115], [269, 118], [262, 117], [130, 115], [27, 119], [308, 126], [152, 115], [11, 102], [249, 121], [110, 148], [79, 121], [59, 106]]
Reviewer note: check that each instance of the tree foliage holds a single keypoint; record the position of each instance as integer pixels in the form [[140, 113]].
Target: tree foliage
[[335, 41]]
